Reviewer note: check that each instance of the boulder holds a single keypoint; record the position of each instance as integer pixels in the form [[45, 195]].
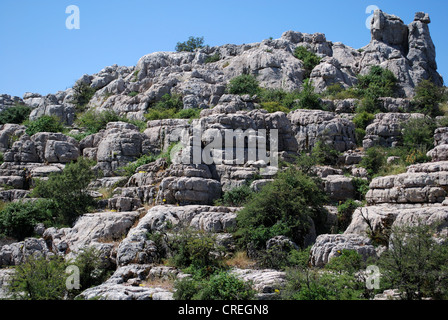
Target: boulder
[[328, 246]]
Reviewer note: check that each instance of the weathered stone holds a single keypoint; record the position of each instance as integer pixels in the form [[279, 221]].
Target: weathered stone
[[328, 246]]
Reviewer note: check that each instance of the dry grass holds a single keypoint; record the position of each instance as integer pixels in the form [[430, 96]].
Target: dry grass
[[240, 260], [164, 283], [107, 193]]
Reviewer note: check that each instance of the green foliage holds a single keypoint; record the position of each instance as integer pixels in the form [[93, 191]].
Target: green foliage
[[68, 190], [316, 285], [82, 95], [92, 271], [337, 91], [361, 188], [427, 98], [272, 107], [325, 153], [379, 82], [94, 121], [361, 121], [244, 84], [374, 160], [415, 263], [213, 58], [171, 107], [188, 114], [39, 279], [348, 261], [273, 100], [307, 98], [133, 93], [131, 168], [220, 286], [44, 124], [345, 212], [418, 133], [283, 207], [225, 286], [16, 114], [18, 219], [310, 59], [190, 45], [195, 250], [236, 197]]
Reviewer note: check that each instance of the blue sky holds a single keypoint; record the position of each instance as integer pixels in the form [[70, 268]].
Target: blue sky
[[39, 54]]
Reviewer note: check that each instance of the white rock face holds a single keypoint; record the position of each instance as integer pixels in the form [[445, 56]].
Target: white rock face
[[328, 246]]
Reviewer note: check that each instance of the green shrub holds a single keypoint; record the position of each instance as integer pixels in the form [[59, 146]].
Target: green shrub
[[225, 286], [283, 207], [310, 59], [349, 261], [307, 98], [325, 153], [82, 95], [244, 84], [195, 250], [345, 212], [68, 190], [272, 107], [374, 160], [415, 263], [363, 119], [236, 197], [44, 124], [317, 285], [171, 107], [418, 133], [213, 58], [379, 82], [94, 121], [187, 289], [155, 114], [220, 286], [39, 279], [284, 98], [18, 219], [92, 271], [190, 45], [188, 114], [16, 114], [361, 188], [131, 168], [133, 93], [427, 98]]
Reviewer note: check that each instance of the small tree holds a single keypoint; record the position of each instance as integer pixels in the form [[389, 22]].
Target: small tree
[[244, 84], [427, 98], [18, 219], [310, 59], [415, 263], [82, 95], [190, 45], [283, 207], [16, 114], [68, 190], [44, 124], [39, 279]]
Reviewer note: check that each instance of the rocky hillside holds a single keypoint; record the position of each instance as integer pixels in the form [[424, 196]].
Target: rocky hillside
[[148, 207]]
